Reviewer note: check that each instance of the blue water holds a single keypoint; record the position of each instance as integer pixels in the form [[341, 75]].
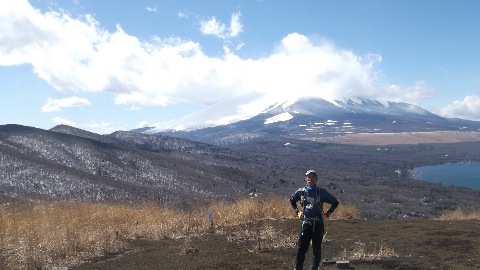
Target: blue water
[[458, 174]]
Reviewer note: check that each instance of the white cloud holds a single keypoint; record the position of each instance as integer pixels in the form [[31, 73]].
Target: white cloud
[[151, 9], [77, 55], [183, 14], [99, 128], [236, 26], [55, 105], [143, 124], [213, 27], [218, 29], [468, 108], [62, 121], [412, 94]]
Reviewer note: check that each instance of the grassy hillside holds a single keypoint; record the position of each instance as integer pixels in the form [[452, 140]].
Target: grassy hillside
[[43, 235], [50, 234]]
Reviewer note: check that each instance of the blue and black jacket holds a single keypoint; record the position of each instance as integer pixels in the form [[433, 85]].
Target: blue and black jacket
[[311, 199]]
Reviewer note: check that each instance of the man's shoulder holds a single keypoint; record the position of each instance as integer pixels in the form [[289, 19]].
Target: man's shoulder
[[322, 190], [302, 189]]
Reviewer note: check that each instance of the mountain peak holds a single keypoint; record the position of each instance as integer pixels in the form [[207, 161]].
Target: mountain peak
[[309, 118]]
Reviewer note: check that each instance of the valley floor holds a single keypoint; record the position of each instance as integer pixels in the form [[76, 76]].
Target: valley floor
[[269, 244], [405, 138]]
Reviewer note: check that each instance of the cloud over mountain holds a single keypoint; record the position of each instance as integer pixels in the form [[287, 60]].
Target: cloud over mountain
[[78, 55], [54, 105], [142, 64], [468, 108]]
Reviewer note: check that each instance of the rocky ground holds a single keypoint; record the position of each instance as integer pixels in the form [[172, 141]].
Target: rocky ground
[[269, 244]]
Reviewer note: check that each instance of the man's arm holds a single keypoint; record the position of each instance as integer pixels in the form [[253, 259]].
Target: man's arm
[[333, 206], [329, 198], [293, 201]]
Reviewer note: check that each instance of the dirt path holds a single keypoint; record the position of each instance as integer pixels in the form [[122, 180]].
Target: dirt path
[[388, 244]]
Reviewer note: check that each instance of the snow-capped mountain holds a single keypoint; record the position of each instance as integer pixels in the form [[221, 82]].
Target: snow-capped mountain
[[222, 113], [305, 118]]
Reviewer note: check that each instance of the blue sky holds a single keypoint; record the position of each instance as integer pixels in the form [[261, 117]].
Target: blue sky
[[118, 65]]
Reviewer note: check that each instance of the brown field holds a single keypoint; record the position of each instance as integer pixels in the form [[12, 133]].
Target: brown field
[[251, 233], [47, 235], [405, 138], [269, 244]]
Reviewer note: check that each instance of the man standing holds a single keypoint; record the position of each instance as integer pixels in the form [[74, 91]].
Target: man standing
[[311, 199]]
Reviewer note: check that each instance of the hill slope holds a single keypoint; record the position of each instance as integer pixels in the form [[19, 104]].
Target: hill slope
[[66, 163]]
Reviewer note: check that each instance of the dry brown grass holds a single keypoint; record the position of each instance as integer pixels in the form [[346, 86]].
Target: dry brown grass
[[345, 212], [459, 215], [371, 251], [249, 209], [61, 234], [46, 235]]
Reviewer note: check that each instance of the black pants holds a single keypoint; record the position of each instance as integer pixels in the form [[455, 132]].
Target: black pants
[[310, 232]]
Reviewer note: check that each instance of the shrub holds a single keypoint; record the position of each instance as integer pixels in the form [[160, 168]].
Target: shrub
[[458, 214]]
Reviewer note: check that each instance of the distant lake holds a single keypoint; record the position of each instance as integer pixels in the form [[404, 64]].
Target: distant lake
[[458, 174]]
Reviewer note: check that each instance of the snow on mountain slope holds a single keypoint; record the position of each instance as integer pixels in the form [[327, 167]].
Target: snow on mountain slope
[[278, 118], [222, 113], [309, 116]]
